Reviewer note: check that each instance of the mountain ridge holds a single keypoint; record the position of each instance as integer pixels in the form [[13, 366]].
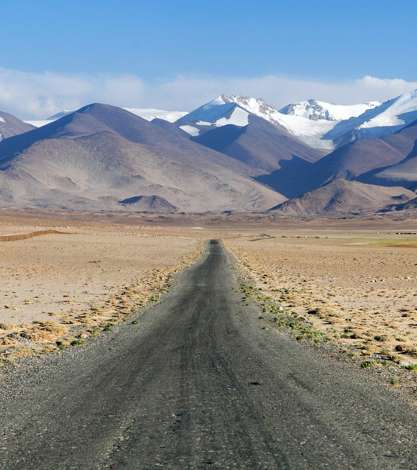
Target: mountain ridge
[[10, 126], [316, 110], [237, 147], [342, 197], [101, 154]]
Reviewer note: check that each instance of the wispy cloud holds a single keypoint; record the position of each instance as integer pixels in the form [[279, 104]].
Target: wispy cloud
[[31, 95], [38, 95]]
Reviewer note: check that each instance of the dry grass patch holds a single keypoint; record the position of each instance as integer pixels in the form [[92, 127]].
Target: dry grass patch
[[56, 291], [358, 289]]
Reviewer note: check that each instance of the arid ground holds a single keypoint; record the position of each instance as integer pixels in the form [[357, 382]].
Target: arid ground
[[62, 282], [283, 330], [358, 287], [353, 280]]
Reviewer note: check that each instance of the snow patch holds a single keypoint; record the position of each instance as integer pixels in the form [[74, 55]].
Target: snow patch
[[193, 131], [400, 112], [239, 117], [38, 123], [317, 110], [150, 113], [385, 119]]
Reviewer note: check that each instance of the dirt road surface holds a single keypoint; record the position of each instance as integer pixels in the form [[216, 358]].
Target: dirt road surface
[[198, 382]]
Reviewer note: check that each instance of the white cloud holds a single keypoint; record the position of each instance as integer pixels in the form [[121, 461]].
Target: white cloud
[[42, 94], [38, 95]]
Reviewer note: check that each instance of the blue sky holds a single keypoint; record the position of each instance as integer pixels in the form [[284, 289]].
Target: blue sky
[[159, 42]]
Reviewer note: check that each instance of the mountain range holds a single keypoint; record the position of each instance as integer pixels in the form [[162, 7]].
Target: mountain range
[[230, 154], [99, 156]]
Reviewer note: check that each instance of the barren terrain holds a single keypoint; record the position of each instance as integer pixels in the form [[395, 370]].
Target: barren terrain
[[353, 280], [358, 287], [148, 395], [63, 282]]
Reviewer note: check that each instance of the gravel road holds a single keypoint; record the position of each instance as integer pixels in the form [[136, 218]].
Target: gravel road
[[200, 382]]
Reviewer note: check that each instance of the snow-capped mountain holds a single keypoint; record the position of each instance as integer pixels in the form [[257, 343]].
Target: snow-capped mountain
[[389, 117], [317, 110], [150, 113], [397, 112], [236, 110], [218, 112], [318, 124], [146, 113], [321, 125]]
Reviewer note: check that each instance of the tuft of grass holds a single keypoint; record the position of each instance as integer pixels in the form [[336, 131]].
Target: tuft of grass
[[411, 367], [154, 298], [368, 364], [395, 381]]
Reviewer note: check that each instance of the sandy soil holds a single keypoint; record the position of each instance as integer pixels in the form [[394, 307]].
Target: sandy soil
[[360, 288], [58, 288]]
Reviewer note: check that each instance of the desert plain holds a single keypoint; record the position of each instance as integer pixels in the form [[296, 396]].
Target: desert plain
[[357, 287], [66, 277], [63, 281]]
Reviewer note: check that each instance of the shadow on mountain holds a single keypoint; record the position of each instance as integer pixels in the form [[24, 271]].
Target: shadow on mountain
[[260, 145], [220, 138], [342, 197], [293, 178], [404, 173], [99, 155]]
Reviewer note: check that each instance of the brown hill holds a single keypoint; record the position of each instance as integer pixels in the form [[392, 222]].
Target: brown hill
[[343, 197], [361, 160], [148, 204], [403, 173], [11, 125], [101, 154], [363, 157], [409, 205]]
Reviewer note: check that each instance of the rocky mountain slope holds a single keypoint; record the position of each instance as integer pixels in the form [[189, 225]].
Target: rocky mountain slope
[[100, 155], [344, 197], [366, 160], [232, 153], [235, 110], [316, 110], [259, 144], [11, 125]]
